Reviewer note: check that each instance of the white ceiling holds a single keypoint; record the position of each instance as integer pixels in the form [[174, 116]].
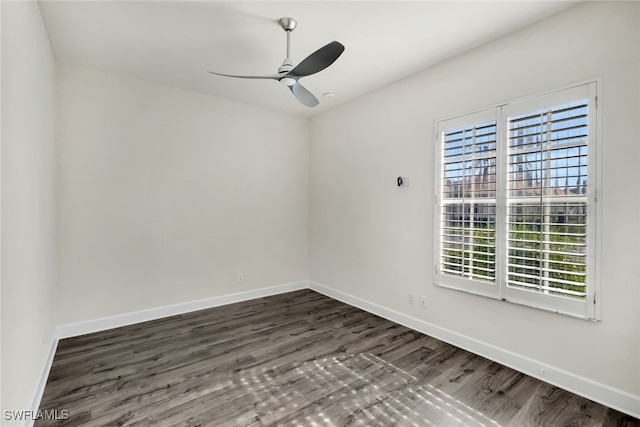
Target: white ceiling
[[175, 42]]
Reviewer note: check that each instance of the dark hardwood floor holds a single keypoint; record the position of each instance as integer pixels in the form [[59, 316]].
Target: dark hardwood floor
[[295, 359]]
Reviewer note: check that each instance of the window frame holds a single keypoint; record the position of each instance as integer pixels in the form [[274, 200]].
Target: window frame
[[587, 308]]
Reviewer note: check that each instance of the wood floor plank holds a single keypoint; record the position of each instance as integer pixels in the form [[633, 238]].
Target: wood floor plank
[[298, 358]]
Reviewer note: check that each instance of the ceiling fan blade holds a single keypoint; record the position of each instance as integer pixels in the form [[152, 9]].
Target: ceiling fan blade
[[272, 77], [318, 60], [303, 95]]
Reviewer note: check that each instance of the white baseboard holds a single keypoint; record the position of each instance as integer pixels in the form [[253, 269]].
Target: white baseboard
[[102, 324], [598, 392], [35, 405]]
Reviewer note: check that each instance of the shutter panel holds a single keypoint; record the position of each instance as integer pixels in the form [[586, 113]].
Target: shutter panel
[[468, 201], [547, 200]]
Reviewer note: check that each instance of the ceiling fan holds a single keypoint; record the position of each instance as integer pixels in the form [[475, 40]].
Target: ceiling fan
[[288, 74]]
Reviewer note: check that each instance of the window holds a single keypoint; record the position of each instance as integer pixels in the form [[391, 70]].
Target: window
[[516, 202]]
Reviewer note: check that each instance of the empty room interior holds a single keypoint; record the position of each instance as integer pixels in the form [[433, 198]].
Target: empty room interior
[[320, 213]]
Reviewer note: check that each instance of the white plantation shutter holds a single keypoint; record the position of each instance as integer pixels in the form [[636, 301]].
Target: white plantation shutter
[[467, 179], [550, 201], [516, 202]]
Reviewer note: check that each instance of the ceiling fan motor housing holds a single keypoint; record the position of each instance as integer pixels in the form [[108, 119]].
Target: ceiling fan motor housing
[[287, 65]]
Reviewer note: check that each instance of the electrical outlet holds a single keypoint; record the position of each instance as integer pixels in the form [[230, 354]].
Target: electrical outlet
[[423, 301], [240, 277], [411, 298]]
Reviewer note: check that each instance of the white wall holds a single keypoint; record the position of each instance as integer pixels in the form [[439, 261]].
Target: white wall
[[373, 241], [28, 203], [165, 196]]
